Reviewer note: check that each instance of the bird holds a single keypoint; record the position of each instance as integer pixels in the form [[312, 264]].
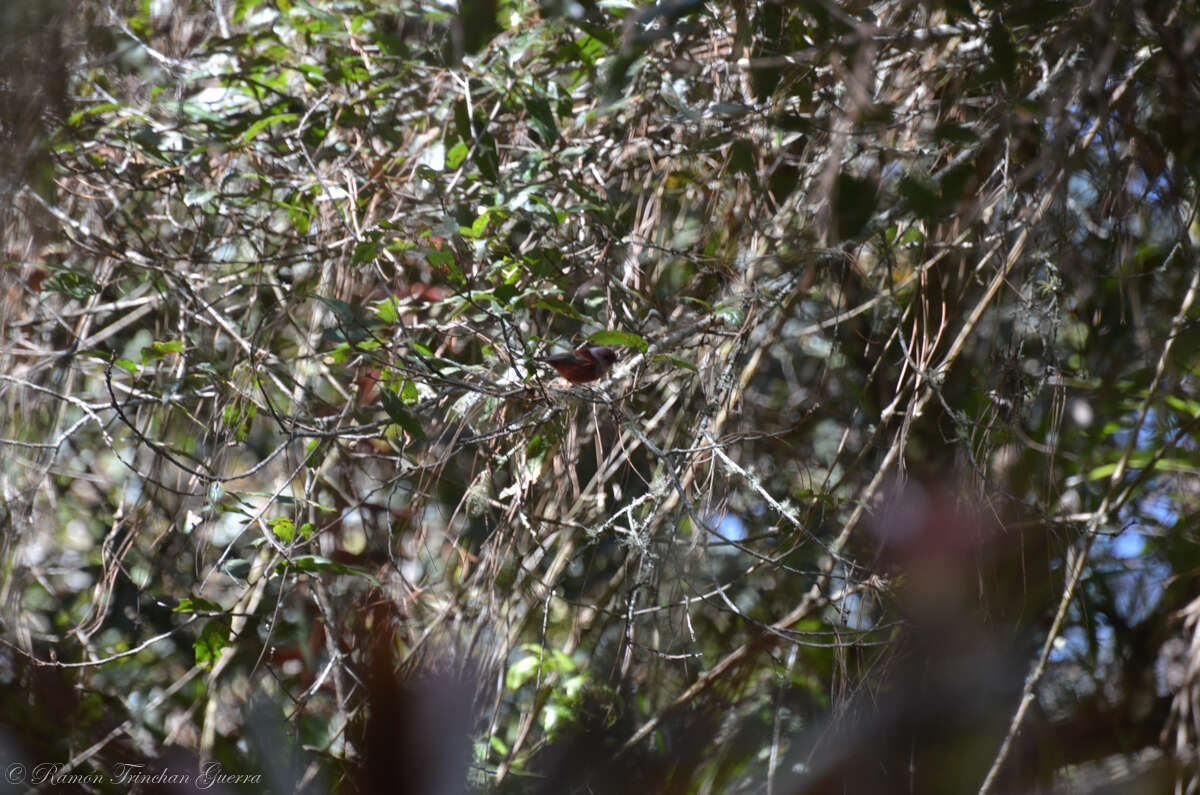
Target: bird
[[588, 363]]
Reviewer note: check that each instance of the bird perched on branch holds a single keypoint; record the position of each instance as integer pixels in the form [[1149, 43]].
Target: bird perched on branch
[[586, 364]]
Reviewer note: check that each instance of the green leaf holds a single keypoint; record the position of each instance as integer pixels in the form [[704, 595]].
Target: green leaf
[[126, 364], [541, 118], [394, 407], [476, 230], [157, 350], [457, 154], [1140, 460], [730, 312], [619, 338], [1189, 407], [69, 283], [190, 605], [354, 324], [676, 361], [559, 306], [487, 158], [388, 311], [260, 125], [556, 715], [78, 116], [365, 251], [462, 122], [522, 671], [589, 49], [214, 638], [244, 7], [239, 418], [444, 260], [316, 563], [284, 529], [506, 293], [562, 662]]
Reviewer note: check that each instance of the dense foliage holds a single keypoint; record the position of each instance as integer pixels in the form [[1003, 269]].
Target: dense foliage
[[893, 488]]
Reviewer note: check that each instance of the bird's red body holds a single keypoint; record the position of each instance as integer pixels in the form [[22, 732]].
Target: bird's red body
[[585, 364]]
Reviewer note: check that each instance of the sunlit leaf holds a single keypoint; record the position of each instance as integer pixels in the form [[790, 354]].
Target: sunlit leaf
[[214, 639], [283, 528], [191, 605]]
